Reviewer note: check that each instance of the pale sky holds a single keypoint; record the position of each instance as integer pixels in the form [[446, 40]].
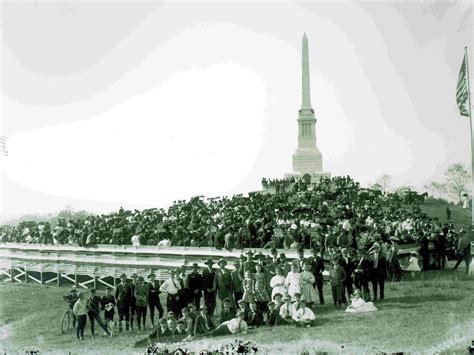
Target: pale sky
[[136, 104]]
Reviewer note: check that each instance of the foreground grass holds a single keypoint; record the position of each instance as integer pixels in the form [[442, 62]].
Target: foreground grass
[[415, 316]]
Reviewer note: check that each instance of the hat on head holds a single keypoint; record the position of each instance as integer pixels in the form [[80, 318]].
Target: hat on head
[[123, 275], [277, 294], [273, 251], [249, 253], [203, 307], [195, 265], [209, 262], [287, 297], [222, 261], [242, 256], [134, 275], [297, 294], [226, 300], [270, 304], [140, 278], [151, 274], [162, 320]]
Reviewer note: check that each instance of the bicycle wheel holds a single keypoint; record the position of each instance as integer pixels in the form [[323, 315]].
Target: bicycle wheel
[[65, 322]]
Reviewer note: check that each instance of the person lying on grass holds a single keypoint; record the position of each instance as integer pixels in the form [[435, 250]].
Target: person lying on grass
[[236, 325]]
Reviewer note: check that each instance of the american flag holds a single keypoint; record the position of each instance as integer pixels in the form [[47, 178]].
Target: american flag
[[3, 146], [462, 89]]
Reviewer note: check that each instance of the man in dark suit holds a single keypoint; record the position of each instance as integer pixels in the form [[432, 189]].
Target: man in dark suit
[[208, 276], [154, 299], [348, 265], [123, 296], [195, 284], [133, 300], [379, 271], [317, 268], [237, 287], [362, 273], [223, 282], [301, 259]]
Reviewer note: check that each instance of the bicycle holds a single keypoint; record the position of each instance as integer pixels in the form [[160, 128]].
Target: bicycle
[[67, 320]]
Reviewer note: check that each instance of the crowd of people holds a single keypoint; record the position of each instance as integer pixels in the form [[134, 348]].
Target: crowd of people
[[334, 212], [258, 291]]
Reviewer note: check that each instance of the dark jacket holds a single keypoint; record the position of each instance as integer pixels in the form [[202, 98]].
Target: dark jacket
[[93, 305], [195, 283], [317, 267], [227, 314], [207, 279], [255, 319], [223, 284], [123, 296], [153, 293]]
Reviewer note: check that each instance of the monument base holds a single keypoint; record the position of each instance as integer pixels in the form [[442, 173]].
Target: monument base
[[313, 177]]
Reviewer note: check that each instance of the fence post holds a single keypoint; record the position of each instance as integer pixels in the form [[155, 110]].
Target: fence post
[[26, 275], [58, 279]]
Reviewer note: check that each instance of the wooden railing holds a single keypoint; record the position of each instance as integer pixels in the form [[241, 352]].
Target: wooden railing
[[103, 264]]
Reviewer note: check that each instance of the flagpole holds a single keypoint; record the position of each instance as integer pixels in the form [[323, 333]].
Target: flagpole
[[472, 137]]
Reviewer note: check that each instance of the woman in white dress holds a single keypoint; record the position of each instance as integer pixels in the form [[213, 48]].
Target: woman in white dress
[[358, 305], [292, 281], [277, 283]]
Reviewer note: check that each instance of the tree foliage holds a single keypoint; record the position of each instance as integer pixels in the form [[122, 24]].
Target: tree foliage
[[457, 180]]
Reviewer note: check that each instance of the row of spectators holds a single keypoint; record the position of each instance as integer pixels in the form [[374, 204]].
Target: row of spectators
[[334, 212]]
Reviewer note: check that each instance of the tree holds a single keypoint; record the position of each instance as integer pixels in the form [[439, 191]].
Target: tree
[[457, 179], [384, 181], [439, 187]]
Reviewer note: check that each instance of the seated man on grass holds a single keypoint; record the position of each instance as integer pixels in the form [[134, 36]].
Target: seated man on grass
[[287, 310], [304, 316]]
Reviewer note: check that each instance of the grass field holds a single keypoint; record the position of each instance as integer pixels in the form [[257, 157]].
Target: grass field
[[434, 313], [416, 315]]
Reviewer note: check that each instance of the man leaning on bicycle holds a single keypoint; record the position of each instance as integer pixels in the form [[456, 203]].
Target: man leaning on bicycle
[[71, 298]]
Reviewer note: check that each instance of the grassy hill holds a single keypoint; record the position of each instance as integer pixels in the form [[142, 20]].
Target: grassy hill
[[433, 312]]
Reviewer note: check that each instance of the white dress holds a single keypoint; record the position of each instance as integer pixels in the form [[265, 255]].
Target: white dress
[[292, 283], [358, 305], [413, 264], [277, 283]]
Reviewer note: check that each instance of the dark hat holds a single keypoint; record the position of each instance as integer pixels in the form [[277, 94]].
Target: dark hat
[[195, 265], [297, 294], [134, 275], [140, 278], [151, 274], [273, 251], [249, 253], [277, 294], [123, 275], [222, 261], [209, 262]]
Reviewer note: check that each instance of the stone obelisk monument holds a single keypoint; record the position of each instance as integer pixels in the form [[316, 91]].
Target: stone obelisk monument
[[307, 160]]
